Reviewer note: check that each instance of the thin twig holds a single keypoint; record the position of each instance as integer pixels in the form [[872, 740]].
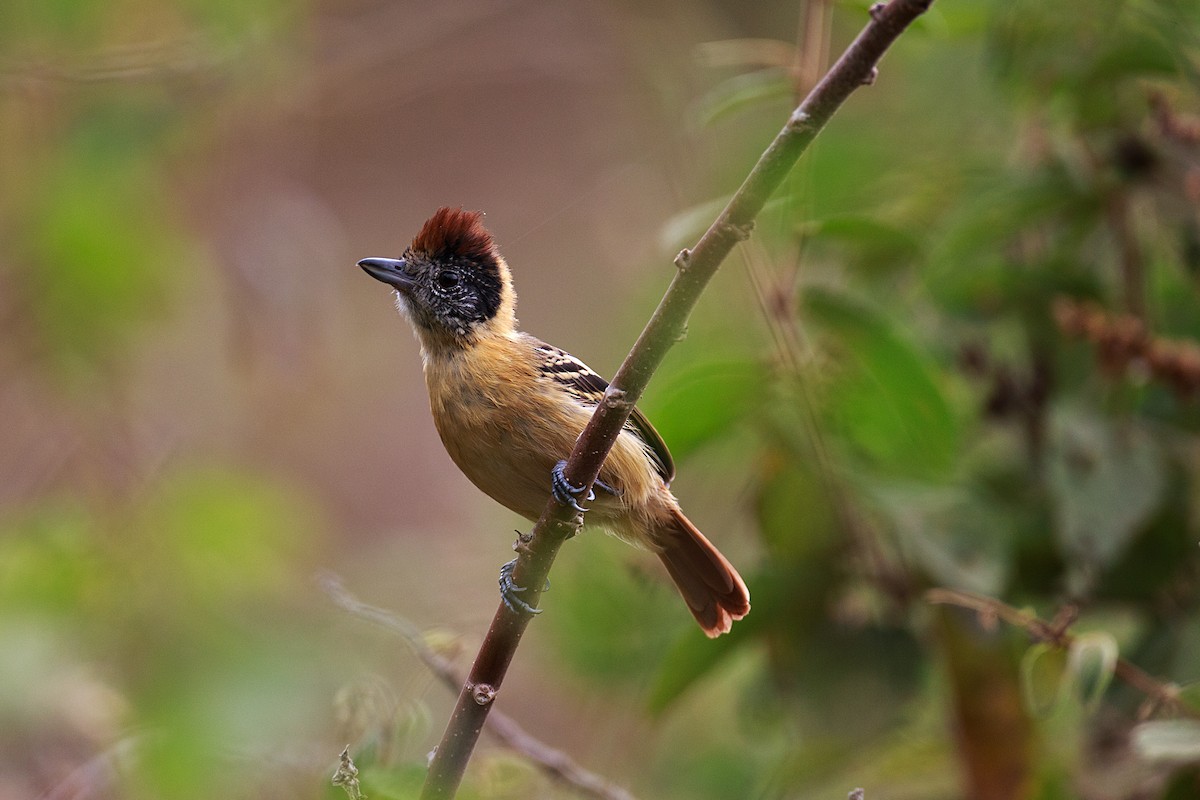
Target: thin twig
[[1057, 633], [696, 268], [555, 763]]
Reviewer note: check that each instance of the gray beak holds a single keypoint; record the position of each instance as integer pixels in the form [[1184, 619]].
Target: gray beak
[[389, 270]]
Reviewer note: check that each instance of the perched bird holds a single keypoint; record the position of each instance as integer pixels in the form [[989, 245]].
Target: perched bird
[[509, 408]]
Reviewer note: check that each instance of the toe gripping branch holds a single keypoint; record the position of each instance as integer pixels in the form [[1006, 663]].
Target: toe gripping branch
[[566, 492], [510, 592]]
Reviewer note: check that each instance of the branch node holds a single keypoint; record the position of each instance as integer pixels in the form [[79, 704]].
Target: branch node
[[683, 332], [739, 232], [799, 121], [483, 693], [683, 259], [521, 545], [876, 10], [743, 231], [1057, 632], [567, 529], [871, 77], [614, 398]]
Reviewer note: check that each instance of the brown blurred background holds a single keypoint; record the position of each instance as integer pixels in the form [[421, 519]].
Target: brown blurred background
[[962, 351], [198, 311]]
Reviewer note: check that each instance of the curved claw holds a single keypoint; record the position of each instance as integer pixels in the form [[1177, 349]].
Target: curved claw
[[566, 492], [509, 591]]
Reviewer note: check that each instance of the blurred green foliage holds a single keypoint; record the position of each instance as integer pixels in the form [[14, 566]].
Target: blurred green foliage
[[920, 419], [898, 408], [178, 604]]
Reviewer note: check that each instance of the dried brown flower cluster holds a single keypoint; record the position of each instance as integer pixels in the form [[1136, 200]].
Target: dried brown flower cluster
[[1123, 344]]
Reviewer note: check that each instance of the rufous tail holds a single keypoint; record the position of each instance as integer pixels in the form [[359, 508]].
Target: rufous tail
[[714, 592]]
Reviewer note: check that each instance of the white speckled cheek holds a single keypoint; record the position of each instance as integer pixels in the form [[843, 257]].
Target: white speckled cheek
[[405, 310], [402, 305]]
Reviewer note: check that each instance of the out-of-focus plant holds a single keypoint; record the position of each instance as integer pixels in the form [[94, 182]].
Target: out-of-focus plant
[[960, 351], [143, 599], [933, 396]]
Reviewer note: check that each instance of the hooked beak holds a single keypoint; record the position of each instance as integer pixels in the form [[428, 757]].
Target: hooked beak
[[389, 270]]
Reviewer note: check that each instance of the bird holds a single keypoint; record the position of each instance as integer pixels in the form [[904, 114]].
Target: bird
[[509, 407]]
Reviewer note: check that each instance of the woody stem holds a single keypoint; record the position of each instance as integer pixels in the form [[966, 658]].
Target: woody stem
[[696, 267]]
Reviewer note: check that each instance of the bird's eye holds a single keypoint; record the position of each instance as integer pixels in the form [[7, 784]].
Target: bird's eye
[[447, 279]]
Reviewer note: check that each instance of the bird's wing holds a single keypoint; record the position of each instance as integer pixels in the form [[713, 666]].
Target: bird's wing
[[582, 382]]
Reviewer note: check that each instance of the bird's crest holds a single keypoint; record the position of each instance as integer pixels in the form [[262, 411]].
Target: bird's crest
[[452, 234]]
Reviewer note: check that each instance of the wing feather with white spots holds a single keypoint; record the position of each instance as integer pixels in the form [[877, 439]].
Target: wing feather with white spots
[[582, 382]]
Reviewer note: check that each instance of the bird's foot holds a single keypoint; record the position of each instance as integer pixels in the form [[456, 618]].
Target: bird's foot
[[509, 591], [566, 492]]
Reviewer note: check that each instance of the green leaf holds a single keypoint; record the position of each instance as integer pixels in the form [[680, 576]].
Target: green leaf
[[874, 244], [685, 227], [1091, 664], [973, 269], [402, 782], [1106, 480], [1043, 669], [691, 658], [1172, 740], [796, 519], [597, 598], [736, 94], [882, 394], [955, 535], [1137, 53], [704, 402]]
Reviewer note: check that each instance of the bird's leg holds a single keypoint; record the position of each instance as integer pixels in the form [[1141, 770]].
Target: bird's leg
[[566, 492], [509, 591]]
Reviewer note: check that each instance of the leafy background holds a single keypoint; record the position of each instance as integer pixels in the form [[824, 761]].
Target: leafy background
[[960, 352]]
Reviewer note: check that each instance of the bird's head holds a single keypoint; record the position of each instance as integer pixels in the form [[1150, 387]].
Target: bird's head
[[451, 282]]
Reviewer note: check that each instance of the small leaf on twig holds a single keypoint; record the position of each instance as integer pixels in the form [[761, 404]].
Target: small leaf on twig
[[1091, 664], [1043, 668]]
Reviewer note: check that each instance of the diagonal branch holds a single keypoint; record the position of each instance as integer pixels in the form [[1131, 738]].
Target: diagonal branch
[[696, 267], [1056, 633]]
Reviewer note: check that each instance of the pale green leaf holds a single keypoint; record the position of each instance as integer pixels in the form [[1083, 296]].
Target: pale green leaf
[[883, 394], [1106, 478], [1091, 663]]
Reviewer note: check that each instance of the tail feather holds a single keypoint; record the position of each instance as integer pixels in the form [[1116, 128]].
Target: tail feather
[[714, 592]]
